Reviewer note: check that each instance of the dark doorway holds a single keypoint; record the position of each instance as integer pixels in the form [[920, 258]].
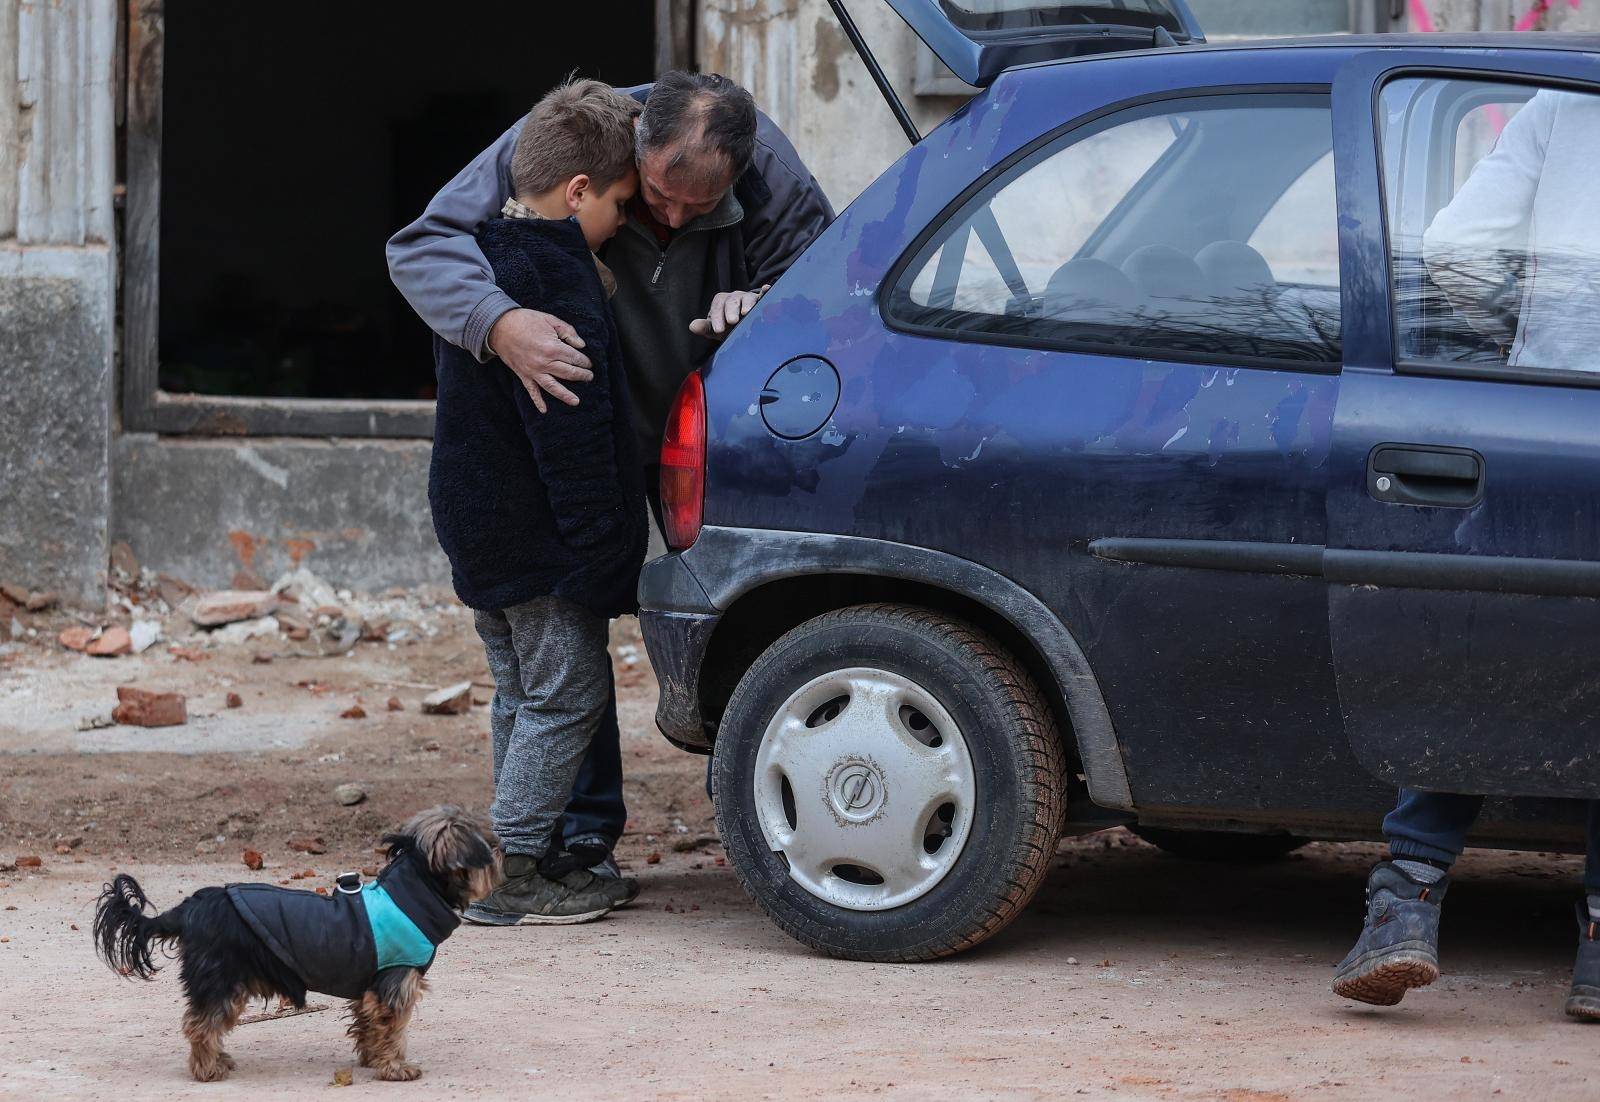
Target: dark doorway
[[298, 137]]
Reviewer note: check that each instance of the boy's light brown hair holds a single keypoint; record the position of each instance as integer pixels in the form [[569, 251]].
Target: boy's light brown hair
[[584, 127]]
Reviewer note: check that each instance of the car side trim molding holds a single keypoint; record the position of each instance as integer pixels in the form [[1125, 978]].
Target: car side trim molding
[[1242, 555], [1345, 566], [729, 562]]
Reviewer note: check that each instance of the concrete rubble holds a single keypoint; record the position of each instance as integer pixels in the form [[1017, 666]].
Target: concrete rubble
[[232, 605], [453, 700]]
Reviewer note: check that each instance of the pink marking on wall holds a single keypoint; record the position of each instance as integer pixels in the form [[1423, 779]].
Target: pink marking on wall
[[1531, 17], [1421, 20]]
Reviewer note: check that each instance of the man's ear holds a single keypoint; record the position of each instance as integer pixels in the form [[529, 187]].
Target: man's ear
[[577, 188]]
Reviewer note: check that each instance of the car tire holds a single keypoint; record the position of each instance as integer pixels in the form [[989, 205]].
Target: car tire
[[1007, 820], [1220, 845]]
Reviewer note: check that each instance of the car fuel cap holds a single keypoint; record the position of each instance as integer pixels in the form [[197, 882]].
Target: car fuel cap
[[800, 397]]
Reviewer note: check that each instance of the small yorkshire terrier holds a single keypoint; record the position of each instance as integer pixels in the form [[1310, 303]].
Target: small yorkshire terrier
[[371, 945]]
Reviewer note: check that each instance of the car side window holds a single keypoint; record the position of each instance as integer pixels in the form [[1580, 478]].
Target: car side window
[[1202, 228], [1494, 224]]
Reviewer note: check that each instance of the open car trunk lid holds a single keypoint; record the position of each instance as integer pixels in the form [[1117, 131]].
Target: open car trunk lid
[[979, 39]]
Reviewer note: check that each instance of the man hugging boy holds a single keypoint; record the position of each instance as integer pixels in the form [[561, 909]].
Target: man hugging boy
[[543, 514]]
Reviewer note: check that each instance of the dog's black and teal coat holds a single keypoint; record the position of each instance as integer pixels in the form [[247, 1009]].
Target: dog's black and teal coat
[[337, 944]]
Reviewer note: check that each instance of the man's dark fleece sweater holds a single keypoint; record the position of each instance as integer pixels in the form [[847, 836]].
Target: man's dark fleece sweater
[[529, 504]]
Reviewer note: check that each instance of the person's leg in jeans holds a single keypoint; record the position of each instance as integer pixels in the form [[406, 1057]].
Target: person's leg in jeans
[[1431, 826], [561, 663], [495, 631], [1583, 1000], [596, 814]]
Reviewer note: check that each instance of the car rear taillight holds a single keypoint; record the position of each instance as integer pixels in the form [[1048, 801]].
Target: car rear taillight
[[683, 465]]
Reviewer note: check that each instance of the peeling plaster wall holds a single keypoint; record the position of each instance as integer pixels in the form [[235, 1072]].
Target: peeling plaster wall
[[57, 291], [803, 72], [1503, 15]]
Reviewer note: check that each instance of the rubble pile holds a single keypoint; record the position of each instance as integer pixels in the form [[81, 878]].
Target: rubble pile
[[300, 616]]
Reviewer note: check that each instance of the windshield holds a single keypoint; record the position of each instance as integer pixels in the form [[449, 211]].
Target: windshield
[[979, 16]]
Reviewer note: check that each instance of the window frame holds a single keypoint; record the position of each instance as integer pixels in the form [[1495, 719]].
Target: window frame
[[918, 252], [1504, 373], [148, 408]]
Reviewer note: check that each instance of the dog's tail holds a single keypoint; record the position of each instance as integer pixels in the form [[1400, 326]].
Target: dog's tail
[[124, 935]]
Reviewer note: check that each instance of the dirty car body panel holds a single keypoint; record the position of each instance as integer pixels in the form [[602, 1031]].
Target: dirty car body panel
[[1182, 536]]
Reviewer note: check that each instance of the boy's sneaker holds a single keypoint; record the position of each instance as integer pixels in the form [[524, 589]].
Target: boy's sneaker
[[1584, 999], [598, 860], [1399, 945], [542, 894]]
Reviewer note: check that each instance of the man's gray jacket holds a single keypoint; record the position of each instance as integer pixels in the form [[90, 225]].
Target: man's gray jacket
[[769, 216]]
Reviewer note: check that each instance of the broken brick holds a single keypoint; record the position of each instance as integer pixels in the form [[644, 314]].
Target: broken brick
[[653, 859], [29, 862], [394, 705], [234, 700], [113, 641], [143, 708], [253, 859], [308, 844], [188, 654], [355, 711], [38, 602], [231, 605], [78, 637]]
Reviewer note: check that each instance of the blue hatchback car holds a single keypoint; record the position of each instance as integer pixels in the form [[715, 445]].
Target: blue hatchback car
[[1202, 438]]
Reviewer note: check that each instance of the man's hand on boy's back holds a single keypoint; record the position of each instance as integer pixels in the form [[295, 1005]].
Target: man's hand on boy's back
[[543, 351]]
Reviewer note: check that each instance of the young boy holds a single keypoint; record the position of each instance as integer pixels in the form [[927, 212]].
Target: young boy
[[543, 514]]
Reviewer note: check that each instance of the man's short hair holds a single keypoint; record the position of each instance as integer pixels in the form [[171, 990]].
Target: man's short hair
[[584, 127], [706, 120]]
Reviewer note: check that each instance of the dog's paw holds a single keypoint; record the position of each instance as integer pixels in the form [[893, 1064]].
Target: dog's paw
[[227, 1061], [399, 1073], [214, 1072]]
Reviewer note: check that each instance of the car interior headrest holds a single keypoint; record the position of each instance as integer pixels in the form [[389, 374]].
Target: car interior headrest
[[1090, 287], [1233, 269], [1161, 271]]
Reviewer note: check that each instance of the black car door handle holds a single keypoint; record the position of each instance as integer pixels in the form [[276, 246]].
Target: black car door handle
[[1437, 477]]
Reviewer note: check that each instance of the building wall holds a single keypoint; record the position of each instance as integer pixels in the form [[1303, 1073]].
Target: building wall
[[792, 55], [1503, 15], [57, 291]]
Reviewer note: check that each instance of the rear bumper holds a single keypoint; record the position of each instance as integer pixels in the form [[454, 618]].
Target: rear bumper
[[677, 619]]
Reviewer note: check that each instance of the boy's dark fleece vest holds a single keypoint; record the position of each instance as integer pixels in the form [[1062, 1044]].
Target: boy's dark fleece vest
[[337, 944]]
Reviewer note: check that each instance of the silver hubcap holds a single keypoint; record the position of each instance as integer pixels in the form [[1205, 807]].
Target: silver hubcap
[[864, 784]]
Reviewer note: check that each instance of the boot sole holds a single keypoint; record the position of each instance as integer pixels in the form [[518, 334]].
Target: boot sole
[[1386, 983], [1585, 1005], [504, 918]]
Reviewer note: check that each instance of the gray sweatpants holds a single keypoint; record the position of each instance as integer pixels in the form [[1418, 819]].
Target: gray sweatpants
[[550, 666]]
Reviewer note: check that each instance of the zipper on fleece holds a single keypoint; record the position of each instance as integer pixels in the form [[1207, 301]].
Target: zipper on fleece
[[661, 262]]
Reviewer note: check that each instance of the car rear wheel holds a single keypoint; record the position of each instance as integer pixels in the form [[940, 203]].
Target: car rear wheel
[[1220, 845], [889, 784]]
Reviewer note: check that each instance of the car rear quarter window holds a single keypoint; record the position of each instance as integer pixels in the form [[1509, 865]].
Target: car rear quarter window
[[1494, 225], [1202, 228]]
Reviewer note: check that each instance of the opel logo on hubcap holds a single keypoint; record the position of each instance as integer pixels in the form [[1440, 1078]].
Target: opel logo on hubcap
[[855, 789]]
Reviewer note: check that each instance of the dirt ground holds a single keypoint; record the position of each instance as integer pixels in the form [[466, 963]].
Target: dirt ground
[[1133, 975]]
